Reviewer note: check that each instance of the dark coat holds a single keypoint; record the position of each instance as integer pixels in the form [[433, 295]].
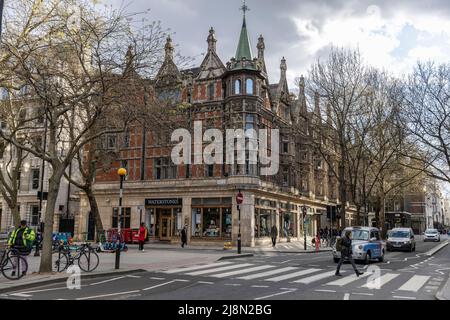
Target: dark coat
[[346, 246], [183, 235], [274, 232]]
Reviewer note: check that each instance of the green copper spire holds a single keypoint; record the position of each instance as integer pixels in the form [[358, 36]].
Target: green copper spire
[[244, 48]]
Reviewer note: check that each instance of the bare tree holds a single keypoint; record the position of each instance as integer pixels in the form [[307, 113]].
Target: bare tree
[[75, 65], [427, 111]]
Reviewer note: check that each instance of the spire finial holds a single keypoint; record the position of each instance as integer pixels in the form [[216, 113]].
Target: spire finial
[[244, 8]]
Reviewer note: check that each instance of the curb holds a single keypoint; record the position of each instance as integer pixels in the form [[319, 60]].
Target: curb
[[245, 255], [440, 294], [64, 279], [436, 249]]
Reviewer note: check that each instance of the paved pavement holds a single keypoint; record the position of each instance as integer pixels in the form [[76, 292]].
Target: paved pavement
[[270, 275]]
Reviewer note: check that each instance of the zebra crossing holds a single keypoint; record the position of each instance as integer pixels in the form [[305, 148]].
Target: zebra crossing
[[305, 276]]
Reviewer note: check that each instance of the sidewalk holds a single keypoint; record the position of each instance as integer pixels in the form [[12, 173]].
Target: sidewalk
[[132, 260]]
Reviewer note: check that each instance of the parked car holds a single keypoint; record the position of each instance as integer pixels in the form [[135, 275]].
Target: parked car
[[366, 245], [432, 235], [448, 232], [401, 239]]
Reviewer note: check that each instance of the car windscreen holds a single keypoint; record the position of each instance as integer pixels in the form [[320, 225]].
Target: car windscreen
[[360, 235], [399, 234], [431, 231]]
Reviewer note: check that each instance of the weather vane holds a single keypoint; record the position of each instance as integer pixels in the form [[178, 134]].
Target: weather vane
[[244, 8]]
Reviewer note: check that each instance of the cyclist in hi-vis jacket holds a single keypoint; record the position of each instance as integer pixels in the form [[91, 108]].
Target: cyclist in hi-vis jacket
[[22, 240]]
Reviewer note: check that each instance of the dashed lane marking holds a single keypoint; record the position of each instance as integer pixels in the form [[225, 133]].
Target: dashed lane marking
[[165, 283], [273, 295], [402, 297], [205, 282], [156, 278], [108, 295], [325, 290]]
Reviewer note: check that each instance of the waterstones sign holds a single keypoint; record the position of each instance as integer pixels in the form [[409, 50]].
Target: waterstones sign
[[163, 202]]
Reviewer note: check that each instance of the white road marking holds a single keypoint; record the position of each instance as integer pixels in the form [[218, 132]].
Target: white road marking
[[347, 280], [255, 286], [401, 297], [316, 277], [285, 261], [165, 283], [347, 296], [273, 295], [204, 266], [232, 273], [43, 290], [109, 280], [380, 281], [414, 284], [362, 294], [293, 275], [235, 266], [22, 295], [232, 284], [289, 289], [108, 295], [205, 282], [267, 273], [323, 290], [156, 278]]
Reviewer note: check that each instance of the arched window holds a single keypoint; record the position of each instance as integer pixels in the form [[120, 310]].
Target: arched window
[[237, 87], [211, 91], [249, 86]]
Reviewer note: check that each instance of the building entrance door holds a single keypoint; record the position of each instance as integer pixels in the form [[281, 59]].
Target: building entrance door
[[164, 228]]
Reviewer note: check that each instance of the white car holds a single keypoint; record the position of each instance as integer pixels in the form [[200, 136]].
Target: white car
[[432, 235]]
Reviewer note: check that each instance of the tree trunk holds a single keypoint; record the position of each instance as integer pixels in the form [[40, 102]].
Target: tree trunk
[[94, 210], [382, 216], [15, 214], [342, 194], [53, 189]]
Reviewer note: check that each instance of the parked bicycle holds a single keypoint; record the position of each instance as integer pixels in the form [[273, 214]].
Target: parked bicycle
[[13, 266], [86, 256]]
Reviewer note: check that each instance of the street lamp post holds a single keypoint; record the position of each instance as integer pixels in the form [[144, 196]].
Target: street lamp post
[[304, 229], [122, 172], [2, 3]]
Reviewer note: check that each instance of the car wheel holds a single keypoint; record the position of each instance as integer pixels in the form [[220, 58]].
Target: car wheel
[[368, 258], [336, 260]]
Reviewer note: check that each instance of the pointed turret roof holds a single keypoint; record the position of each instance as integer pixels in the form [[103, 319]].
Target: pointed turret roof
[[169, 73], [212, 66], [244, 49]]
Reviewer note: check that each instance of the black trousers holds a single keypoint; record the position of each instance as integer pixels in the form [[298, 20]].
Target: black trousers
[[274, 241], [341, 261], [141, 245]]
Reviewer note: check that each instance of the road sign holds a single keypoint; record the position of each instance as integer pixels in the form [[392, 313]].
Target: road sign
[[239, 198]]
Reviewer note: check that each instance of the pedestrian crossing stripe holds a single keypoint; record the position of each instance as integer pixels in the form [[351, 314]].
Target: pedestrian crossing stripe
[[271, 273], [220, 269], [204, 266], [236, 272], [316, 277], [379, 282], [267, 273], [414, 284], [293, 275], [347, 280]]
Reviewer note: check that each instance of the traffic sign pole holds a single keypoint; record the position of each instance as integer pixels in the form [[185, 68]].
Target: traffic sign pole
[[239, 200]]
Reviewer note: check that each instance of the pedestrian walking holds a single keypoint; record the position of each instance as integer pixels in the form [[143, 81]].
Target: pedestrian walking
[[274, 234], [22, 239], [317, 242], [344, 245], [184, 236], [142, 236]]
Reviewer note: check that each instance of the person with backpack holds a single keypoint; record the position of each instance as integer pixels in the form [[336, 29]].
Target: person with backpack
[[142, 235], [22, 239], [344, 245]]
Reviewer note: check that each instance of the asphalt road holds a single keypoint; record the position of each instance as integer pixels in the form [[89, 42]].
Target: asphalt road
[[270, 276]]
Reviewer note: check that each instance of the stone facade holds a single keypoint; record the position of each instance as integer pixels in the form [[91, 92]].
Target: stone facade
[[232, 95]]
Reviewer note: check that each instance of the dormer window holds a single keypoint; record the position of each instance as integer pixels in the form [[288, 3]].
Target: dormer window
[[237, 87], [249, 86]]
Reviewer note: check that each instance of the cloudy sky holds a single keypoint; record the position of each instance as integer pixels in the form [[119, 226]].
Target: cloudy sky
[[390, 34]]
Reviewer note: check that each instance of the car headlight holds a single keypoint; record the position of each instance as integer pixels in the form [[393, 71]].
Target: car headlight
[[360, 247]]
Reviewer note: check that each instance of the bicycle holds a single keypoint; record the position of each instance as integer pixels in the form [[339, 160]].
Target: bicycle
[[86, 256], [13, 266]]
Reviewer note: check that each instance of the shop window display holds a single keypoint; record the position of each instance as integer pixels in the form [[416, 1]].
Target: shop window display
[[211, 222], [226, 223]]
